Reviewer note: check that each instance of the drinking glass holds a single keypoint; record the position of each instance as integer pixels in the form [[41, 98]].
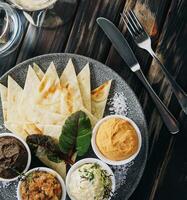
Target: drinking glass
[[11, 30], [46, 13]]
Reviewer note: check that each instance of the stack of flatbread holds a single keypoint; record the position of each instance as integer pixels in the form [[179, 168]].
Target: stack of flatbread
[[46, 100]]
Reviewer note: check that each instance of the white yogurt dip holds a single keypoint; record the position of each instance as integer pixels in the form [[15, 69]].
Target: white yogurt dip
[[32, 5], [90, 182]]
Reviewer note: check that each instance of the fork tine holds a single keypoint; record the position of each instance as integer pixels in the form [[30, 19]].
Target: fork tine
[[136, 19], [133, 21], [128, 24]]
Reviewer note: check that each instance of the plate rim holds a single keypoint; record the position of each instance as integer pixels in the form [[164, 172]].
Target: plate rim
[[73, 55]]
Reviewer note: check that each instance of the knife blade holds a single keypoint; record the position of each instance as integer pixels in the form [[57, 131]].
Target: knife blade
[[119, 42], [124, 50]]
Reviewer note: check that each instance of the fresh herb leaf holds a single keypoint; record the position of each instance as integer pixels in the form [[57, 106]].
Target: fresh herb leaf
[[69, 132], [54, 157], [76, 134]]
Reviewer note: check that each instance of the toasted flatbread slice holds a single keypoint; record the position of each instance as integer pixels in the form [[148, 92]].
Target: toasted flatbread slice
[[16, 129], [71, 99], [13, 100], [99, 98], [84, 76], [4, 93], [38, 71], [28, 107], [51, 130], [25, 129], [85, 87], [49, 91], [45, 129], [27, 99]]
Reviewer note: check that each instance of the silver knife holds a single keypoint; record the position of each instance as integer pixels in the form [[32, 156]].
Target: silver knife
[[124, 50]]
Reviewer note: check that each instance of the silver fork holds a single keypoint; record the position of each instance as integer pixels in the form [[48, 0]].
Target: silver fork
[[142, 39]]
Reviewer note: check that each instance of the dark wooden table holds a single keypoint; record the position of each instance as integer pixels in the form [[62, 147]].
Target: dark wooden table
[[165, 176]]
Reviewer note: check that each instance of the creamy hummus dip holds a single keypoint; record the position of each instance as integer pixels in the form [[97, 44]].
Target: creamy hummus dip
[[90, 182], [32, 5], [117, 139], [13, 157]]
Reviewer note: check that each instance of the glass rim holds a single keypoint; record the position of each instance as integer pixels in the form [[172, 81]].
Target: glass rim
[[17, 28], [6, 26]]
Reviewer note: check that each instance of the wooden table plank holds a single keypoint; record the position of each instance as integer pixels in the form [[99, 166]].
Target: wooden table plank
[[173, 181], [86, 38], [171, 48]]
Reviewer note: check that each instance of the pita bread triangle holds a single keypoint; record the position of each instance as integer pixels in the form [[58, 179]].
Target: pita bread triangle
[[82, 77], [38, 71], [26, 102], [25, 129], [85, 86], [67, 76], [16, 128], [49, 91], [13, 100], [99, 98], [71, 99], [29, 110]]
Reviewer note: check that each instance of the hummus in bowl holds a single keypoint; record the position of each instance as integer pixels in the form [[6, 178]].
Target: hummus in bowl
[[90, 179], [116, 140]]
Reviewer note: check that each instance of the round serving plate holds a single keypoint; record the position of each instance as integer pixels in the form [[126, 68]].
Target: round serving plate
[[127, 176]]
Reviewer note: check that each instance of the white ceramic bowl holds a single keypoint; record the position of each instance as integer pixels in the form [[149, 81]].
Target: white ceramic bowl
[[51, 171], [28, 152], [100, 155], [86, 161]]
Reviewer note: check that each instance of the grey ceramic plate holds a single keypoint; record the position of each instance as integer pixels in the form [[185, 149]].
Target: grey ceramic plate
[[127, 176]]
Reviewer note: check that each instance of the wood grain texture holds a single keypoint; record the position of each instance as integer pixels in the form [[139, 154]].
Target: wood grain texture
[[39, 41], [171, 49], [86, 38], [173, 178]]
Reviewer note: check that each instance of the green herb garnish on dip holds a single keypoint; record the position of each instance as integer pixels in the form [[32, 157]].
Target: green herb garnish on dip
[[90, 182]]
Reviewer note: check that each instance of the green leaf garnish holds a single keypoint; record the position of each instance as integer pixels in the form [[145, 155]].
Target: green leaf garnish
[[76, 134], [47, 145]]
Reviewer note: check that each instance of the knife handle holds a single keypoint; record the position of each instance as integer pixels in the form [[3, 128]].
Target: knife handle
[[169, 120]]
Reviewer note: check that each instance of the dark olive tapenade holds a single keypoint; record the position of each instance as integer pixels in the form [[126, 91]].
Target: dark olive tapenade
[[13, 157]]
